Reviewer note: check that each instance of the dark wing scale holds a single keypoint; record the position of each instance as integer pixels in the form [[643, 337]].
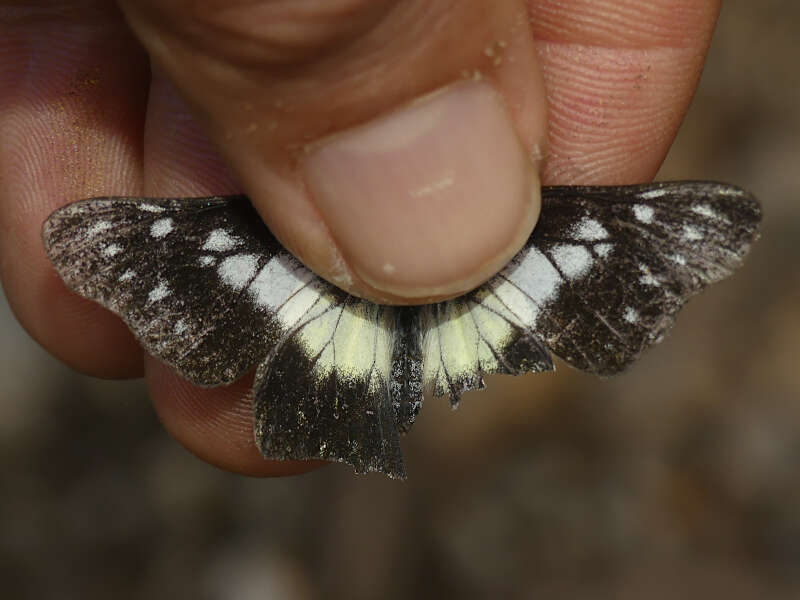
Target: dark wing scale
[[105, 249], [406, 384], [666, 242], [329, 399]]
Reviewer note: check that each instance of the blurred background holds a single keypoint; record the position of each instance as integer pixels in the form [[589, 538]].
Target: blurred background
[[680, 478]]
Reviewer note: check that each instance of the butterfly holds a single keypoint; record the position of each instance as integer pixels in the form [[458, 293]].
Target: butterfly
[[206, 288]]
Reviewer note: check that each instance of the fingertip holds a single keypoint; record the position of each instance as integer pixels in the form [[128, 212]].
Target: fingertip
[[80, 333], [430, 201]]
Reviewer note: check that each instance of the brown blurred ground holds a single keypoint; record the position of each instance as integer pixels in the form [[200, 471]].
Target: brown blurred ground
[[678, 479]]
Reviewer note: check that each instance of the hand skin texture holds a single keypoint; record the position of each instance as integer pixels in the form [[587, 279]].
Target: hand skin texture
[[408, 132]]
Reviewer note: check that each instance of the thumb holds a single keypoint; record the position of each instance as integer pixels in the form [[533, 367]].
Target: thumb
[[392, 145]]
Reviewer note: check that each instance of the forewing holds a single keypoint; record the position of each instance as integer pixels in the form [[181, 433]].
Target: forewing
[[188, 276], [324, 391], [607, 268]]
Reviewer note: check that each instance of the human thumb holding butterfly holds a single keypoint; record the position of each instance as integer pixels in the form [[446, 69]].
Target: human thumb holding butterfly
[[396, 147]]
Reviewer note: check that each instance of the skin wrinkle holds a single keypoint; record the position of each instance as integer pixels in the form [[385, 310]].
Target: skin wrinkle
[[298, 33], [581, 118], [170, 167], [284, 33], [351, 74], [23, 13], [618, 25]]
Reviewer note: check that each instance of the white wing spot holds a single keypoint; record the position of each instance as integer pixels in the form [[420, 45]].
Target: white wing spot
[[590, 230], [650, 194], [112, 250], [679, 259], [704, 210], [692, 233], [647, 277], [643, 213], [574, 261], [238, 270], [161, 228], [603, 250], [151, 208], [206, 260], [127, 275], [181, 327], [159, 292], [220, 240], [98, 227], [630, 315]]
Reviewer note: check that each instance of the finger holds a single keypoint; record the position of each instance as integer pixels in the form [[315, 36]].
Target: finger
[[620, 76], [70, 127], [214, 424], [384, 146], [179, 158]]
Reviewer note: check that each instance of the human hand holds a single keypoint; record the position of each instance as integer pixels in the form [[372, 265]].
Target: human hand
[[445, 192]]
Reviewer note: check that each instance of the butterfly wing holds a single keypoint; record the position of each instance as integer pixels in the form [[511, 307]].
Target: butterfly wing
[[600, 280], [607, 268], [159, 263], [324, 390], [474, 335], [206, 288]]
